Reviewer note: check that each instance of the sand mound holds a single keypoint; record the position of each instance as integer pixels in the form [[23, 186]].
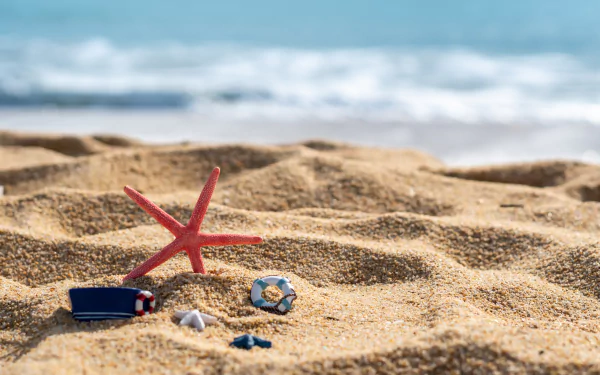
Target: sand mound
[[401, 264], [541, 174], [578, 180], [20, 157]]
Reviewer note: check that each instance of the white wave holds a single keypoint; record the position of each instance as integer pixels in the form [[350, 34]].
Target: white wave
[[241, 82]]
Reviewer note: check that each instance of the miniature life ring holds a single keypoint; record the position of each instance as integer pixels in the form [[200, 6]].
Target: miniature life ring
[[283, 305], [139, 303]]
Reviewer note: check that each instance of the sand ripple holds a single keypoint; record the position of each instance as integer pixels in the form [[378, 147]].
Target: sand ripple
[[401, 264]]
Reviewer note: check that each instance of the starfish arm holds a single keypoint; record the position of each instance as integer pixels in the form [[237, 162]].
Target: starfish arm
[[156, 212], [197, 322], [188, 317], [156, 260], [231, 239], [195, 256], [208, 319], [203, 201], [186, 320]]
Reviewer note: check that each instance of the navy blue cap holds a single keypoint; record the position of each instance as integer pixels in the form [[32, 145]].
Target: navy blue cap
[[105, 303]]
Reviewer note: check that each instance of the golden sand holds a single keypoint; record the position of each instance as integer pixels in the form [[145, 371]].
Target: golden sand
[[401, 264]]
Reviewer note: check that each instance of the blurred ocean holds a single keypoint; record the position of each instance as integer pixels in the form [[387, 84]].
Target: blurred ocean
[[245, 66]]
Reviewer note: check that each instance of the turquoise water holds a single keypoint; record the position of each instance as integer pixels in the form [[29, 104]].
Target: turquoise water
[[418, 61], [507, 26]]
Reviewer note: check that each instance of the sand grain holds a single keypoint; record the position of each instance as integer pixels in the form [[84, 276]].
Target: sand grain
[[401, 264]]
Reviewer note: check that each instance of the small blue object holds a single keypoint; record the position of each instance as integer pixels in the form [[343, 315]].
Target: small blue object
[[248, 341], [89, 304]]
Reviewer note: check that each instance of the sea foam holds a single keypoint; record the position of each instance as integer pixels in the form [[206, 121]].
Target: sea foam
[[245, 82]]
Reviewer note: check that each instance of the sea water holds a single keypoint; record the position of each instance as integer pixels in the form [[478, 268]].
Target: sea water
[[377, 71]]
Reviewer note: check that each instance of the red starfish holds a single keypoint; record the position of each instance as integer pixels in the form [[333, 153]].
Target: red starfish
[[189, 237]]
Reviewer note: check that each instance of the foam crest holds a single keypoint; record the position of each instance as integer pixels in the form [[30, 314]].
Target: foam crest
[[234, 82]]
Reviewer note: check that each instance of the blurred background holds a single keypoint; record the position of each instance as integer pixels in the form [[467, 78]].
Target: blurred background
[[471, 82]]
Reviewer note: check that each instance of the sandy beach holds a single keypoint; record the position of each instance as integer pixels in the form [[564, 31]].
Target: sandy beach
[[401, 263]]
